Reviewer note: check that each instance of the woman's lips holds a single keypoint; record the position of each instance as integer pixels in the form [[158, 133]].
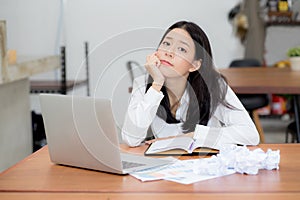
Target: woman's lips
[[166, 63]]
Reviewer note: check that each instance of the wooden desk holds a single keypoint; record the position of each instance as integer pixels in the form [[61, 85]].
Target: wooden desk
[[37, 177], [266, 80], [255, 80]]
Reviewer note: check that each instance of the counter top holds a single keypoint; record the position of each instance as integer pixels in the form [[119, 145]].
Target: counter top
[[28, 66], [24, 66]]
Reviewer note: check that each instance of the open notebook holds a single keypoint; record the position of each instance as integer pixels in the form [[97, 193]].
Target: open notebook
[[178, 146]]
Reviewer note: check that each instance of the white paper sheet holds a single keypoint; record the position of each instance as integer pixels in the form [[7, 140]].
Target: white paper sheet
[[181, 171]]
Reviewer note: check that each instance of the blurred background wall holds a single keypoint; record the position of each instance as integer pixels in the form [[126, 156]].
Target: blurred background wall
[[117, 31]]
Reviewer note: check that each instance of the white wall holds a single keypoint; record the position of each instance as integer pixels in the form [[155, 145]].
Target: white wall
[[278, 40], [117, 31]]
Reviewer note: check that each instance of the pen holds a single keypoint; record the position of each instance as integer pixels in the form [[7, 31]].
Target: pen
[[190, 148]]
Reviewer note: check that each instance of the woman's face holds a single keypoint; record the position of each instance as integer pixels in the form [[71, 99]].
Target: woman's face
[[176, 54]]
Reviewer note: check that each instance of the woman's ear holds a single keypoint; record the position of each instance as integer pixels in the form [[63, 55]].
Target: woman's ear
[[195, 65]]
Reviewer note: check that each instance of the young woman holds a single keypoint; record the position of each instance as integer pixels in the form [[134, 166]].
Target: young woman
[[184, 95]]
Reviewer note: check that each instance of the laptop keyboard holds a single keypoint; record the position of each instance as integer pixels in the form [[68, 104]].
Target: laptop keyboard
[[127, 165]]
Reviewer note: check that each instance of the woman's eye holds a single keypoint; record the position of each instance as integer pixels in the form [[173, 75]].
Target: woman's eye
[[165, 43], [182, 49]]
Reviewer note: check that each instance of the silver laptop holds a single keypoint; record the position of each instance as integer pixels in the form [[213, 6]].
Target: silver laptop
[[81, 132]]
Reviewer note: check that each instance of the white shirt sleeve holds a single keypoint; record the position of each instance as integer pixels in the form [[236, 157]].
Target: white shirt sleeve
[[228, 126], [162, 129], [141, 112]]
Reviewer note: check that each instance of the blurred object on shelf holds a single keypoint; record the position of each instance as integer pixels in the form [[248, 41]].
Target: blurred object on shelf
[[279, 5], [12, 57], [282, 64], [272, 4], [283, 6]]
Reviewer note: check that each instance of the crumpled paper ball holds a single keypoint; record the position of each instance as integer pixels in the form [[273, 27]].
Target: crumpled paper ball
[[240, 159]]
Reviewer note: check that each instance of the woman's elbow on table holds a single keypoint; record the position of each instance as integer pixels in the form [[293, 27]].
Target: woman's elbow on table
[[130, 141], [254, 138]]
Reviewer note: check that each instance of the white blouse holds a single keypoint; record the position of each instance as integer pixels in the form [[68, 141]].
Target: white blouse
[[226, 126]]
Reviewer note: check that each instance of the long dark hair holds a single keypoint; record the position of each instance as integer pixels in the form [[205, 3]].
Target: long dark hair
[[206, 87]]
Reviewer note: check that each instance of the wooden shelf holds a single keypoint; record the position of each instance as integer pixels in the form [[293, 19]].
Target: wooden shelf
[[278, 23], [54, 86], [283, 18], [63, 85], [280, 13]]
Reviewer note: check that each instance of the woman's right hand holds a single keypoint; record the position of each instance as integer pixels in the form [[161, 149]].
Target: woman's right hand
[[152, 66]]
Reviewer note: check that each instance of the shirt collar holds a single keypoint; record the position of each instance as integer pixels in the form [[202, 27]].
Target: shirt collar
[[185, 97]]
